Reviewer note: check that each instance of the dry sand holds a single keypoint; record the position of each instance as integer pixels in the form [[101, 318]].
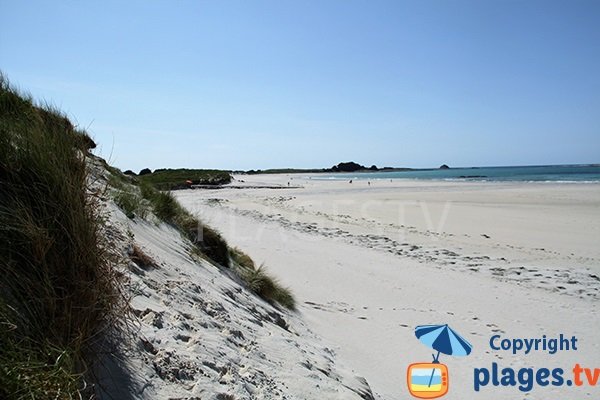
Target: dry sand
[[368, 263]]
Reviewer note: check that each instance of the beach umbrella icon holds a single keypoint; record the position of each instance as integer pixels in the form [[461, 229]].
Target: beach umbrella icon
[[443, 339]]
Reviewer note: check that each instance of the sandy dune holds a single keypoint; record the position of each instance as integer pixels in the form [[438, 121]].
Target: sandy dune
[[370, 262], [199, 334]]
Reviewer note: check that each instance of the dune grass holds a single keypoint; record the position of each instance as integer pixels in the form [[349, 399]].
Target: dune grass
[[166, 207], [260, 282], [242, 259], [129, 202], [213, 246], [58, 292]]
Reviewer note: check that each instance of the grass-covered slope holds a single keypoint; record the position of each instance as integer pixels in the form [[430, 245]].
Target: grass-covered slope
[[58, 292], [139, 199]]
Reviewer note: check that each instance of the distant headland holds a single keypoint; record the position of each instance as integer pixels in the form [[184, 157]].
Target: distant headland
[[348, 166]]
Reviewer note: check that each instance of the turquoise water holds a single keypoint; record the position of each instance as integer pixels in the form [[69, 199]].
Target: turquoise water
[[546, 173]]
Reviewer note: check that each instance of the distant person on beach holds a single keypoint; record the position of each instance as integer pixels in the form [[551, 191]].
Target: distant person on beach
[[350, 181], [369, 182]]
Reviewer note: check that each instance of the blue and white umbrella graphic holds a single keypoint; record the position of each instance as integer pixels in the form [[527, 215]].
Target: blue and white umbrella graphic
[[443, 339]]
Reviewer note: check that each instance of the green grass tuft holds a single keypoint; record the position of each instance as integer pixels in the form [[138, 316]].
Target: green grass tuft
[[213, 244], [130, 203], [268, 288], [215, 247], [259, 281], [242, 259], [166, 207], [147, 190]]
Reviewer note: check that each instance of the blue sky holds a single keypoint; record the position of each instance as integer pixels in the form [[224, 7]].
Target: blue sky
[[264, 84]]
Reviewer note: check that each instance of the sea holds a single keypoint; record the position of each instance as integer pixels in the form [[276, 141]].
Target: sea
[[540, 173]]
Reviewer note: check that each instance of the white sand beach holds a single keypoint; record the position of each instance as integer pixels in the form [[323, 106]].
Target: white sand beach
[[368, 263]]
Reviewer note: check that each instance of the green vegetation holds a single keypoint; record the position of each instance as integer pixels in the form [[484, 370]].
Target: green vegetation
[[208, 242], [242, 259], [58, 293], [166, 207], [130, 203], [260, 282], [126, 195], [60, 297], [341, 167], [213, 245], [170, 179], [267, 287]]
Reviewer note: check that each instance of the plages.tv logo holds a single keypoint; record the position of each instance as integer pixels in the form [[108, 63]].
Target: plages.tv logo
[[431, 380]]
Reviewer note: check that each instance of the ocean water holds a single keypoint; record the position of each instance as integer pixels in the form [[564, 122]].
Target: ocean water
[[545, 173]]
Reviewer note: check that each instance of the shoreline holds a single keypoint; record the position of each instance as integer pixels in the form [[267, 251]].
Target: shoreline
[[587, 173]]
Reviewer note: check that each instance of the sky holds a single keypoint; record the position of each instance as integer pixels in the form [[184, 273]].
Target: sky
[[307, 84]]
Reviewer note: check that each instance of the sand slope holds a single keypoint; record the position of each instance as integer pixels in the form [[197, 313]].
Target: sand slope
[[199, 334]]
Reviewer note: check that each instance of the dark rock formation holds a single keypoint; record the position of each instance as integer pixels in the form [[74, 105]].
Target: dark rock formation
[[350, 166]]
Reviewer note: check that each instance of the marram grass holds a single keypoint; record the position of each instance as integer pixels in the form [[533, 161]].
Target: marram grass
[[58, 292]]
